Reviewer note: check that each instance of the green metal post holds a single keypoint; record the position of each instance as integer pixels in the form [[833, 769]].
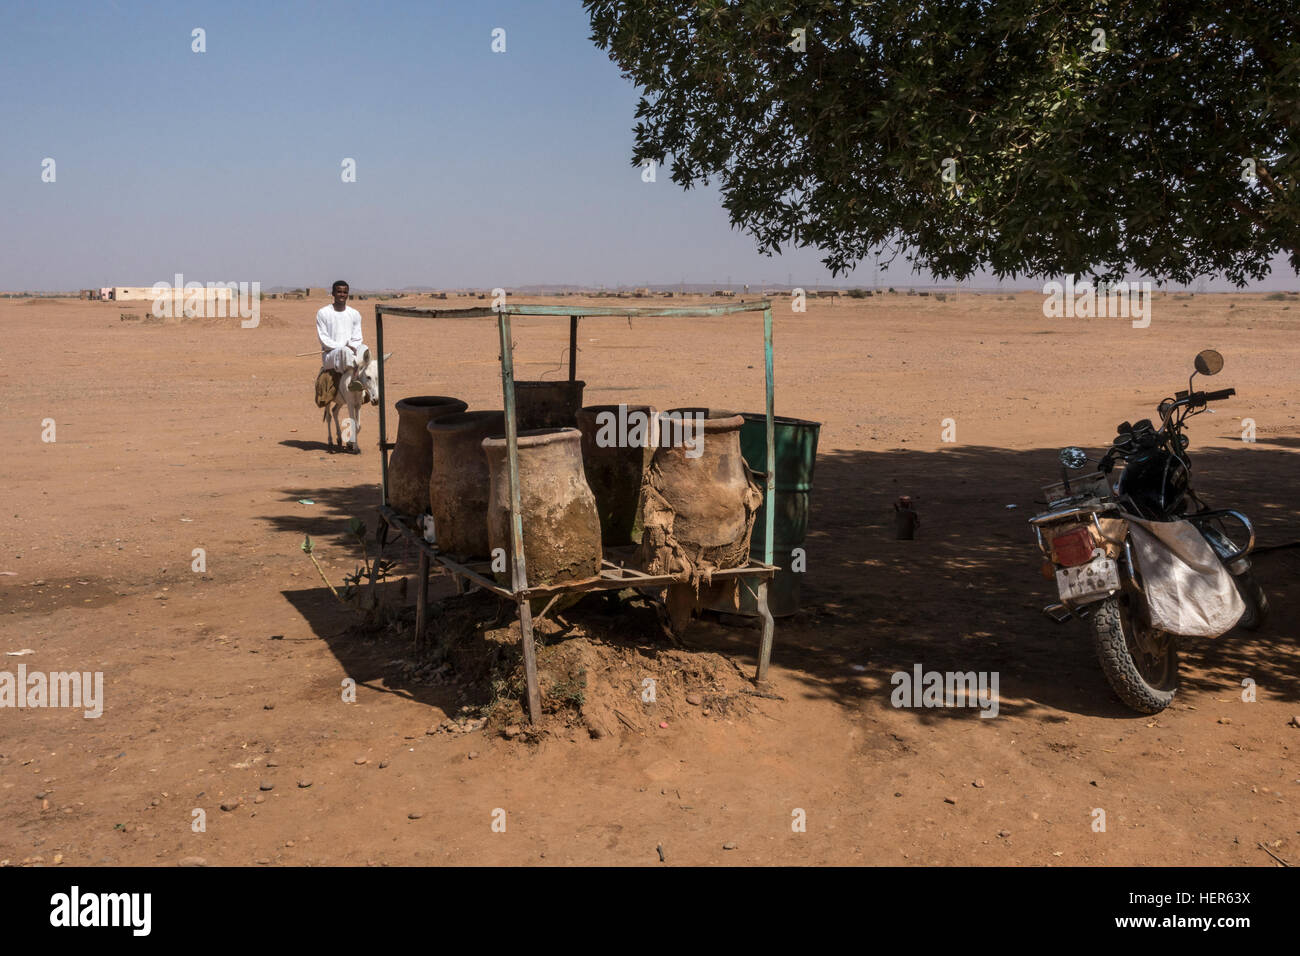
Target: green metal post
[[519, 572], [770, 495], [769, 499], [383, 428]]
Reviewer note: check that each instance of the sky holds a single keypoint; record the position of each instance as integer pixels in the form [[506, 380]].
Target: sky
[[474, 168]]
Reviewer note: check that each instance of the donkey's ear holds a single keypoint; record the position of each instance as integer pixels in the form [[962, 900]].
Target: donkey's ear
[[387, 356], [365, 356]]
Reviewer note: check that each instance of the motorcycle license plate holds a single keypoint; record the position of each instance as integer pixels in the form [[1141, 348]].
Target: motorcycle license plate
[[1095, 579]]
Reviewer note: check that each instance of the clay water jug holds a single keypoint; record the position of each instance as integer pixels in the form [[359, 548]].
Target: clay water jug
[[457, 489], [560, 524], [618, 442], [409, 465]]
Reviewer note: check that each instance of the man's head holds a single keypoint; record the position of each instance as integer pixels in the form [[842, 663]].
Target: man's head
[[340, 292]]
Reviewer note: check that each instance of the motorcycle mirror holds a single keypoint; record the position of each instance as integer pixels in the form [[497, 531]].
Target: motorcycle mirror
[[1072, 457], [1209, 362]]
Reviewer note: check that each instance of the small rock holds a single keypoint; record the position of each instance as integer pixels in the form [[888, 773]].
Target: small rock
[[260, 798], [229, 805], [154, 802], [595, 733], [361, 760], [268, 706], [663, 725], [898, 793], [952, 800], [383, 764], [304, 784], [978, 784], [694, 699], [513, 731], [192, 861], [728, 846], [432, 730], [414, 815], [45, 804], [1004, 833], [272, 764], [1225, 720], [266, 785], [58, 858], [1095, 783], [1295, 721], [705, 711]]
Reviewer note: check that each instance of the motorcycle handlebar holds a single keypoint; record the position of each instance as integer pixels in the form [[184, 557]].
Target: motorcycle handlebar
[[1219, 395]]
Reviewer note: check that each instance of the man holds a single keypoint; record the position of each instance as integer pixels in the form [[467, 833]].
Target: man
[[339, 329]]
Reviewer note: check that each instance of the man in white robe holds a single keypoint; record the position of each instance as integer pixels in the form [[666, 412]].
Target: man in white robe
[[339, 327]]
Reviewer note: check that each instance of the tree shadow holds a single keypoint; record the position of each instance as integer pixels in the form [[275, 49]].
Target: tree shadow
[[965, 595]]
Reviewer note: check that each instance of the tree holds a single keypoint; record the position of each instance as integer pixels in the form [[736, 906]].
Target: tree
[[1084, 138]]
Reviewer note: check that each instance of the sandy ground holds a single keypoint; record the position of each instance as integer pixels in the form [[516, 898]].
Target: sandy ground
[[199, 434]]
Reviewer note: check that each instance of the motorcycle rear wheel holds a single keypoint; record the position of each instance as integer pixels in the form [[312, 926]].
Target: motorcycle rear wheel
[[1140, 662]]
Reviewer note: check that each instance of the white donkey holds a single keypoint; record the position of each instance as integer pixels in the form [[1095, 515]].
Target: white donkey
[[358, 385]]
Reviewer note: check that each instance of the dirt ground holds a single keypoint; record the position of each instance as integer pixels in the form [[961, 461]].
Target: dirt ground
[[179, 435]]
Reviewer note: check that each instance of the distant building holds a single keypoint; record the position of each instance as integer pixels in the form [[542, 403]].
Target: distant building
[[215, 301]]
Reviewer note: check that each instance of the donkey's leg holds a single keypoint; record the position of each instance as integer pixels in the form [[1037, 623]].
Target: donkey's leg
[[350, 439]]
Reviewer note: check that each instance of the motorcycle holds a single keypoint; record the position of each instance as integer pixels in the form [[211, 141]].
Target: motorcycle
[[1092, 529]]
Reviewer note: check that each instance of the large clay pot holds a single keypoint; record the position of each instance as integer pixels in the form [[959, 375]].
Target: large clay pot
[[457, 490], [618, 442], [700, 497], [547, 404], [560, 524], [412, 459]]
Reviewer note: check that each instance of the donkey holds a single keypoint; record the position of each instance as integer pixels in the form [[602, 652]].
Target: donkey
[[358, 385]]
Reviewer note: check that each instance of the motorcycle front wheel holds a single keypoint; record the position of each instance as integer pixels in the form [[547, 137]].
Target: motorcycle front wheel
[[1140, 661]]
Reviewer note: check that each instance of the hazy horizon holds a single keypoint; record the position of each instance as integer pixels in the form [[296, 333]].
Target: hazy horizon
[[474, 169]]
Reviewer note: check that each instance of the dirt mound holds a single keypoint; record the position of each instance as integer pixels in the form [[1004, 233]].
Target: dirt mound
[[603, 669]]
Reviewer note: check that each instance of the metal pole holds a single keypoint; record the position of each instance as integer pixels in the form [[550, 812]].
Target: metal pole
[[770, 496], [383, 427], [519, 572], [573, 348], [769, 499]]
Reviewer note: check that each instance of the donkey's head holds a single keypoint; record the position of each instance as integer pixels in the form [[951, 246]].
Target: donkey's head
[[365, 376]]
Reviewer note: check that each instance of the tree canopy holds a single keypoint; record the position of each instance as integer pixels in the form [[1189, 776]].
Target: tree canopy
[[1083, 138]]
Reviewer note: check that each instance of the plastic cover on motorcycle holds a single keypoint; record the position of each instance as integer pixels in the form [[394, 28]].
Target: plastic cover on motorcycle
[[1189, 591]]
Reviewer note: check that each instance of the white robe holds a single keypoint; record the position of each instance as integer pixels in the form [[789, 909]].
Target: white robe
[[340, 337]]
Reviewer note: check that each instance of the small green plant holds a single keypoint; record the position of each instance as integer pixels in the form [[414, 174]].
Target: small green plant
[[369, 572], [573, 689]]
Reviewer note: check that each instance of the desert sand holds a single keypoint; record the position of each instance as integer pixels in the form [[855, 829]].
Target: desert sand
[[190, 434]]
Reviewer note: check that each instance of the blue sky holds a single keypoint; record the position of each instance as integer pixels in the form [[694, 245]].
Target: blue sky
[[474, 168]]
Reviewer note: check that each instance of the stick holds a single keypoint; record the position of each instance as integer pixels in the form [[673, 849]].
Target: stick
[[761, 693], [301, 354], [619, 714], [1272, 854]]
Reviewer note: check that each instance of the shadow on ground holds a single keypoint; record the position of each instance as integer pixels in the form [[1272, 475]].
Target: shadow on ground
[[964, 596]]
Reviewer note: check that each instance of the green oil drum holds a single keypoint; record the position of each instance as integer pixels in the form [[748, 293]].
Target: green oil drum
[[796, 456]]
